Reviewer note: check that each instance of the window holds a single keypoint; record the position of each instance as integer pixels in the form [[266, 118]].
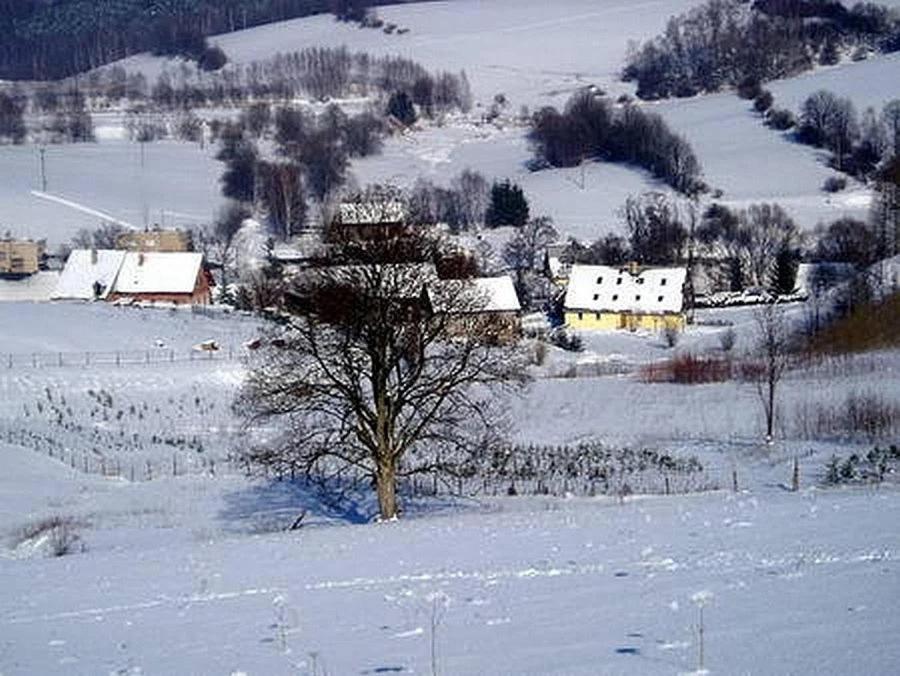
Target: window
[[580, 315], [640, 280], [637, 297], [619, 280], [663, 282], [660, 299], [599, 280], [615, 296], [596, 296], [596, 315]]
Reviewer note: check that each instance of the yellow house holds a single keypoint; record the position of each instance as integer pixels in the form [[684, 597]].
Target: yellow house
[[606, 298]]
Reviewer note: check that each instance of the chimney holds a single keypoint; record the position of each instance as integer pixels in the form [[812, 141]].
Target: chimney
[[634, 268], [93, 257]]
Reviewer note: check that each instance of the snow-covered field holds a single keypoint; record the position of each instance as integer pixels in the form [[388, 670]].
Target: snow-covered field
[[195, 574], [177, 185], [173, 581]]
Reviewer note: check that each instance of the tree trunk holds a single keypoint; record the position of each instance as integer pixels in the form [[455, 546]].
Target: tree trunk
[[386, 480]]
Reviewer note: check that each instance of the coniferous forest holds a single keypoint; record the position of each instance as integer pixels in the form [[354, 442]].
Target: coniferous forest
[[42, 40]]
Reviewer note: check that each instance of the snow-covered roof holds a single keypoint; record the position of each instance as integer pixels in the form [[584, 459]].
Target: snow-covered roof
[[481, 294], [32, 289], [602, 288], [156, 272], [84, 268]]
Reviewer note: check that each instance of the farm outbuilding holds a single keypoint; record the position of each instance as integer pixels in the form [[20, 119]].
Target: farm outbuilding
[[112, 275]]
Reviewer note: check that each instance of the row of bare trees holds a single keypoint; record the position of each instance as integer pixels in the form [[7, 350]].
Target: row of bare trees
[[318, 73]]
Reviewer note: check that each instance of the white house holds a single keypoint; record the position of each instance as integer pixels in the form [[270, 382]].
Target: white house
[[627, 297]]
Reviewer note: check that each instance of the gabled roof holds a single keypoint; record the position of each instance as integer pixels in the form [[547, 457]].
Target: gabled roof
[[156, 272], [471, 296], [84, 268], [603, 288]]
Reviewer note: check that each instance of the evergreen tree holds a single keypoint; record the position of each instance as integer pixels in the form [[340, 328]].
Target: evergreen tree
[[12, 125], [401, 108], [508, 206], [784, 276]]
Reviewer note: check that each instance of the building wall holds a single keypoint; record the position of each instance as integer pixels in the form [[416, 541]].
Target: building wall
[[19, 257], [495, 327], [613, 321], [165, 241]]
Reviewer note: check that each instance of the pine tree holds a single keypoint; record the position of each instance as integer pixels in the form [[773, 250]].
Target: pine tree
[[400, 107], [508, 206]]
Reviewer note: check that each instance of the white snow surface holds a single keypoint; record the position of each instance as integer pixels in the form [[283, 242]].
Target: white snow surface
[[84, 268], [157, 272], [34, 288], [196, 574], [482, 294]]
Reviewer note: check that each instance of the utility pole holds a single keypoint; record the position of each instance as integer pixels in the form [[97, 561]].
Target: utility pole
[[43, 151]]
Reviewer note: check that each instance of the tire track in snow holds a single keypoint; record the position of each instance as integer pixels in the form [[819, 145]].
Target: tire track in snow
[[155, 603], [80, 207]]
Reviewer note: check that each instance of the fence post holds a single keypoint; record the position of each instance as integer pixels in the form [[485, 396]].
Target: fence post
[[34, 360], [118, 359], [60, 359], [174, 465], [10, 361]]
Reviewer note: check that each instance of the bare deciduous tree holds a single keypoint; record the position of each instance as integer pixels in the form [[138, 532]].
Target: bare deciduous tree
[[369, 379], [772, 351]]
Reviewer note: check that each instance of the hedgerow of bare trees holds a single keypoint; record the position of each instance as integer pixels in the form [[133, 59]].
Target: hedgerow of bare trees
[[461, 206], [367, 381], [592, 128], [758, 246]]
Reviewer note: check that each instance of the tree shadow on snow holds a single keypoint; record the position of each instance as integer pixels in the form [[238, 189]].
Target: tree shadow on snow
[[273, 506], [270, 506]]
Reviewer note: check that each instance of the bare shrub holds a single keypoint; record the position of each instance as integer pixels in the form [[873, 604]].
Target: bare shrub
[[727, 339], [688, 369], [61, 535], [866, 415]]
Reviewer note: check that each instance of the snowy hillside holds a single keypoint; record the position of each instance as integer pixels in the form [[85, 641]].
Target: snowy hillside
[[499, 44]]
